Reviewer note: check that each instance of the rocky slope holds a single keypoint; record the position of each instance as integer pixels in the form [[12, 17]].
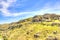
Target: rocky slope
[[39, 27]]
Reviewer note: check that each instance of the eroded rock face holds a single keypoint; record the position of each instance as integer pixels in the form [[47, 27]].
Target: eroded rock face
[[55, 24], [51, 16], [14, 26], [37, 19], [51, 38], [37, 35], [45, 17], [54, 32]]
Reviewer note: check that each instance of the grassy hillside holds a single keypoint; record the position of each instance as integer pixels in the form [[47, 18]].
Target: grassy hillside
[[40, 27]]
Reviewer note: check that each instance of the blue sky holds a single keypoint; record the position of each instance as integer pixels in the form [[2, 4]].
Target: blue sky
[[14, 10]]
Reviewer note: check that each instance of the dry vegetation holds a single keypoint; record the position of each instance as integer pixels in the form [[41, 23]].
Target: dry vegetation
[[40, 27]]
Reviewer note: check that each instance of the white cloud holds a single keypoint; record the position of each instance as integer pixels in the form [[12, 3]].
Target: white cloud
[[46, 9], [6, 12], [5, 6]]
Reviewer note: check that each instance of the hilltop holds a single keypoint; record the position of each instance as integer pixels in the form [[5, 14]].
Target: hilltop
[[39, 27]]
